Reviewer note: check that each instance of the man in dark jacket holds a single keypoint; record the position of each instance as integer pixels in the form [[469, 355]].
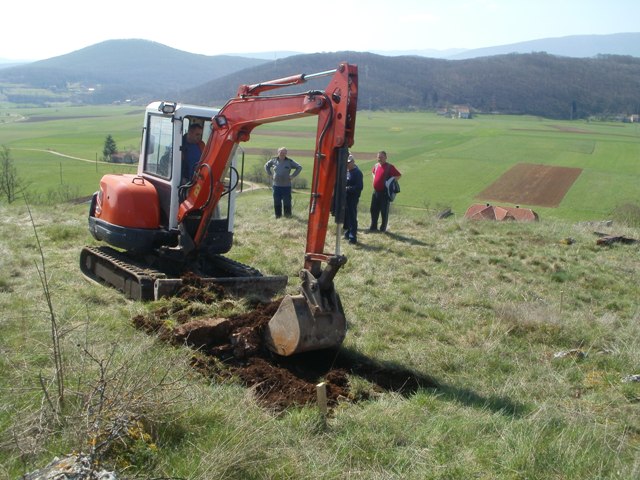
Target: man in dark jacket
[[354, 188]]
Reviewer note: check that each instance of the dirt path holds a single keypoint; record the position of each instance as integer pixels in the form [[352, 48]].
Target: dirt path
[[60, 154]]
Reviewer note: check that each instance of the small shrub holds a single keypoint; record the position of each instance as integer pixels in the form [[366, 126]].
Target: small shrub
[[560, 276], [5, 286], [258, 175], [299, 183], [627, 213]]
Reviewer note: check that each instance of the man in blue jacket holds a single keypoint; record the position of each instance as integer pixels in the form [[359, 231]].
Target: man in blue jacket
[[354, 188], [192, 148]]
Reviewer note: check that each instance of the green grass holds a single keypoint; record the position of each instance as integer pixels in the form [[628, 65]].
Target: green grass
[[480, 308], [72, 131], [446, 163]]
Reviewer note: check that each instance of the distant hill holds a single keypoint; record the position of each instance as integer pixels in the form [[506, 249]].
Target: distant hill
[[571, 46], [6, 63], [122, 69], [427, 52], [534, 84], [271, 56], [9, 63]]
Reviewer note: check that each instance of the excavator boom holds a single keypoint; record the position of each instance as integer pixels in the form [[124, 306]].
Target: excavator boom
[[314, 319]]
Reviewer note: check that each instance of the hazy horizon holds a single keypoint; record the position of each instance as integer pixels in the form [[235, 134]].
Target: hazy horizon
[[373, 25]]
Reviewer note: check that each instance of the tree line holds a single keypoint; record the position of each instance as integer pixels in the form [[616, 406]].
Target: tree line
[[531, 84]]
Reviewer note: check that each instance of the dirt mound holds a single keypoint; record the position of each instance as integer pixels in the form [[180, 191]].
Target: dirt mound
[[233, 348]]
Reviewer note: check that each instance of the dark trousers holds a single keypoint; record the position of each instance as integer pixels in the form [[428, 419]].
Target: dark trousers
[[282, 199], [379, 206], [351, 217]]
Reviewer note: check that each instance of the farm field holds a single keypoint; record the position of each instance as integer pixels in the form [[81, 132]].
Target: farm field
[[446, 163]]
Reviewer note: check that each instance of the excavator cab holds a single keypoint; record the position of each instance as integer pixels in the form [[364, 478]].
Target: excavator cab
[[143, 215], [168, 162]]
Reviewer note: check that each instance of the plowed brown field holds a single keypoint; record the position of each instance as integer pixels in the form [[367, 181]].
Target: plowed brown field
[[530, 184]]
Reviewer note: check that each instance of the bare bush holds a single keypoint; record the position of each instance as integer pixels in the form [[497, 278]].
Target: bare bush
[[10, 184], [128, 394], [258, 175], [103, 401], [299, 183], [114, 404]]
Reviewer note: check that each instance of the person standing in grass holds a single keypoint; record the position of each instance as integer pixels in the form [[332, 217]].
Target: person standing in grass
[[382, 172], [354, 188], [282, 169]]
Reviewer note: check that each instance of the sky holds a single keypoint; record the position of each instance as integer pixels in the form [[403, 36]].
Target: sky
[[40, 29]]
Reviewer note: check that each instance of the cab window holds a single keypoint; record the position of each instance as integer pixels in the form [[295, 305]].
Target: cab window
[[159, 159]]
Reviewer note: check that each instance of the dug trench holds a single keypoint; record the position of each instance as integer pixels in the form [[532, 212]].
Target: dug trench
[[232, 348]]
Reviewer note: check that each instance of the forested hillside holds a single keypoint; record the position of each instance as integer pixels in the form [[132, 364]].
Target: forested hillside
[[141, 71], [534, 84]]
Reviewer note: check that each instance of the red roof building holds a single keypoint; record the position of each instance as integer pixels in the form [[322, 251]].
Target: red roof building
[[493, 212]]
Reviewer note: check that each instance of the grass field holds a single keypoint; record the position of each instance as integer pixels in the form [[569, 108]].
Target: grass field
[[445, 162], [527, 343], [526, 334]]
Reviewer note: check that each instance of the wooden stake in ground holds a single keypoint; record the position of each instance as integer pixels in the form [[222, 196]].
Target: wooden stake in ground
[[321, 391]]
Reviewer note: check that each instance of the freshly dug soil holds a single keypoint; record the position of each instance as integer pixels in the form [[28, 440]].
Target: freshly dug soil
[[233, 347]]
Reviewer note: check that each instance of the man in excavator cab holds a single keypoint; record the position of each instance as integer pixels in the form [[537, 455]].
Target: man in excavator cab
[[192, 148]]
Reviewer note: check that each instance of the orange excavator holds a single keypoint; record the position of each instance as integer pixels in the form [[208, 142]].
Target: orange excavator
[[160, 225]]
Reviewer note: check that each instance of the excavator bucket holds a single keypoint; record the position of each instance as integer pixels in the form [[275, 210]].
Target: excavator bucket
[[299, 327], [313, 320]]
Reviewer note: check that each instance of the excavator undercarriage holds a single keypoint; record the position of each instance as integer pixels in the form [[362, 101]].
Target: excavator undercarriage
[[144, 278]]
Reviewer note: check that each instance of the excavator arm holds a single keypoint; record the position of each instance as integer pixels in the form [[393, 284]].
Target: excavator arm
[[336, 111], [314, 319]]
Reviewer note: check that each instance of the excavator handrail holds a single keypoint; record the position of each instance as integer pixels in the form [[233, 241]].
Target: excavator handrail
[[257, 88]]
